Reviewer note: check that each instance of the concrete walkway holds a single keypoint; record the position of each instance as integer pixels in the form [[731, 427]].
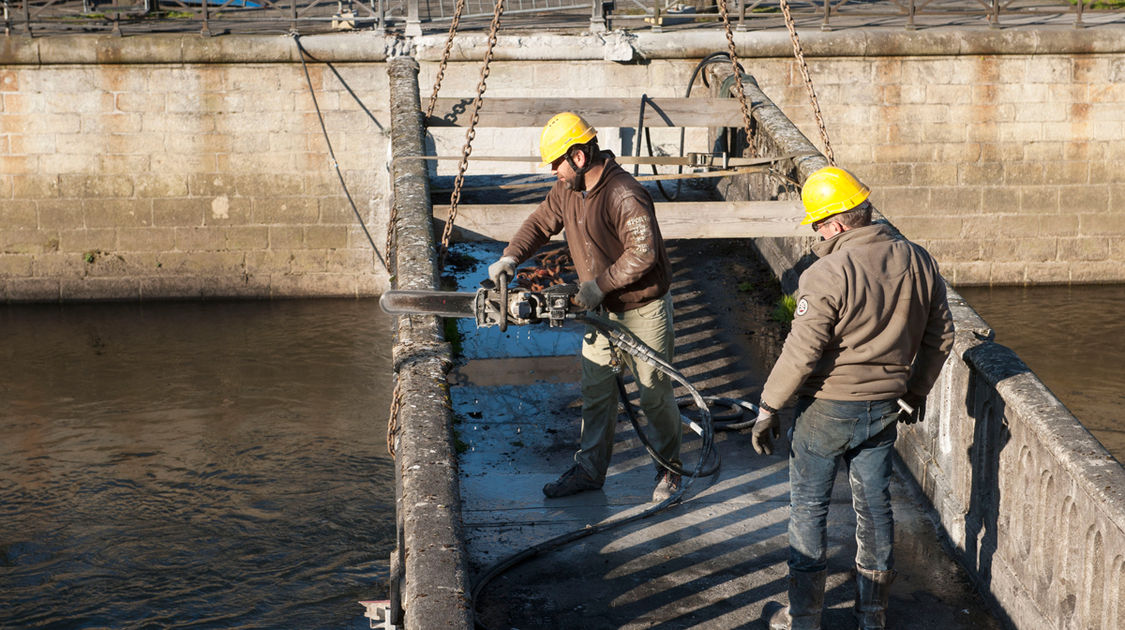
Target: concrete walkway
[[712, 562]]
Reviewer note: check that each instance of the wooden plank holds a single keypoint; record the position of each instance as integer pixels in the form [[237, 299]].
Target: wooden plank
[[709, 219], [599, 112]]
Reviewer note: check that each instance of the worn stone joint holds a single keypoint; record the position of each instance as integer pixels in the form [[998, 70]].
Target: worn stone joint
[[408, 354]]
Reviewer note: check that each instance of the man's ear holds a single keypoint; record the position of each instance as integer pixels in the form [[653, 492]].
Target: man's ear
[[579, 158]]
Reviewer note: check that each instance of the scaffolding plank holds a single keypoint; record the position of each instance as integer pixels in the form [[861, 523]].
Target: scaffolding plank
[[707, 219], [599, 112]]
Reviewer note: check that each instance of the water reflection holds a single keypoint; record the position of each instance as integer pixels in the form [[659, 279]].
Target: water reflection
[[1071, 338], [206, 464]]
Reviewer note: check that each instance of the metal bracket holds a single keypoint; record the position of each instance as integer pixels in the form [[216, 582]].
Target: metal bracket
[[379, 614]]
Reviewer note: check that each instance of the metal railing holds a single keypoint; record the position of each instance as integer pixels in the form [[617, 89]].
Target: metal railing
[[416, 17]]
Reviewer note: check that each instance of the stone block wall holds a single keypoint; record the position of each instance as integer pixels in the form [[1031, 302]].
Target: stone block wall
[[1003, 165], [174, 179]]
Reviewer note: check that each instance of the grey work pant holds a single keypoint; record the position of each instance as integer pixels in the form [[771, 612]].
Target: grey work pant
[[651, 324]]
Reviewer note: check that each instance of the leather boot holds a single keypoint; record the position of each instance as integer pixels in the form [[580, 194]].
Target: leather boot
[[806, 602], [872, 594]]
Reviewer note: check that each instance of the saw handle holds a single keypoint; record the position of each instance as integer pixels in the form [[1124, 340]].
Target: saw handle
[[504, 278]]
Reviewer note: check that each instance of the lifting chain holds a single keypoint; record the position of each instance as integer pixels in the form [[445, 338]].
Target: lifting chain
[[445, 55], [392, 421], [455, 197], [800, 55], [738, 78]]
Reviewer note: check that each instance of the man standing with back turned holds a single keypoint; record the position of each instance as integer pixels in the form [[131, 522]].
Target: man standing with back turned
[[619, 255], [872, 327]]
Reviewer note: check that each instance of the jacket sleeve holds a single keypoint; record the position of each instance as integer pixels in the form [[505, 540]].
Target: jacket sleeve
[[634, 220], [538, 228], [814, 324], [937, 341]]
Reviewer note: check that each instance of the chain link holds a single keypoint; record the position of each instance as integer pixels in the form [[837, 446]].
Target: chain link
[[392, 420], [455, 197], [445, 55], [746, 122], [800, 55]]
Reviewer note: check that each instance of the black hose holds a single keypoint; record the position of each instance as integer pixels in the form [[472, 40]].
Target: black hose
[[620, 338], [709, 59]]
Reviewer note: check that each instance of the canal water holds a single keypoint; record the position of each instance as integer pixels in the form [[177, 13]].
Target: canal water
[[212, 465], [1071, 338]]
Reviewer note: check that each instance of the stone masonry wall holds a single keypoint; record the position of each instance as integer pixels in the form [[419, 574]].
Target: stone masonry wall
[[177, 166], [1003, 166], [172, 180]]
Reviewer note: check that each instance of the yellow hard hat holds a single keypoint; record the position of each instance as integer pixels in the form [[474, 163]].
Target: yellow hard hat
[[560, 133], [830, 191]]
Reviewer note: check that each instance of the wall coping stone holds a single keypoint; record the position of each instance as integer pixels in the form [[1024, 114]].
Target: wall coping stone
[[620, 46]]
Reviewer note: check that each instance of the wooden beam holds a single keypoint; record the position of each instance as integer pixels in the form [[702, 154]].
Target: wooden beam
[[599, 112], [709, 219]]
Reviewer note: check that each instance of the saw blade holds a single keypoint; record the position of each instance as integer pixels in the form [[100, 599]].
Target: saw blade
[[440, 303]]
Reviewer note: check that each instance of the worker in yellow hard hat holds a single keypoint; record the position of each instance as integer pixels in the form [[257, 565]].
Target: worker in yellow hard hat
[[870, 333], [623, 269]]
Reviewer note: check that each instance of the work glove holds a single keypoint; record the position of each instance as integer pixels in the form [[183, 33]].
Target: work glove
[[589, 295], [506, 265], [767, 428], [912, 408]]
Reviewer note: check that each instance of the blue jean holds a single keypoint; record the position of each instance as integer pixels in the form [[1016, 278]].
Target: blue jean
[[861, 434]]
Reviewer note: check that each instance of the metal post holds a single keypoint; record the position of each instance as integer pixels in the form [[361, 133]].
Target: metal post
[[994, 14], [413, 22], [1078, 14], [27, 16], [911, 10], [597, 17], [293, 16], [380, 11], [827, 12], [206, 30], [741, 28]]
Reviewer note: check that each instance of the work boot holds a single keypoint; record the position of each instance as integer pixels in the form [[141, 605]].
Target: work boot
[[667, 484], [806, 602], [571, 482], [872, 594]]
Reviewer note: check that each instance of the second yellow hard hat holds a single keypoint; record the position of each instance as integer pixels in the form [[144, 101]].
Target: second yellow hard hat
[[830, 191]]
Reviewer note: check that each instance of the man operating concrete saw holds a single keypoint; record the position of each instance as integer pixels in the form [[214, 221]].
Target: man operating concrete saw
[[623, 270]]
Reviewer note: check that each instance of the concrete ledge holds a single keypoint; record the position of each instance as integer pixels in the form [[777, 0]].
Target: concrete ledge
[[366, 46], [184, 48], [432, 548], [624, 47]]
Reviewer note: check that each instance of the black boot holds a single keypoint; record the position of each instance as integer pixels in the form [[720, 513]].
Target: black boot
[[872, 594], [806, 602]]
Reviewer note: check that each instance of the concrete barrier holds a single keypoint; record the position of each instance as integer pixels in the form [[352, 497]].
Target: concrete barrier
[[1033, 505]]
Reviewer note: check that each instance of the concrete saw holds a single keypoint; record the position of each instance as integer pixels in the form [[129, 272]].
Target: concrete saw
[[489, 305]]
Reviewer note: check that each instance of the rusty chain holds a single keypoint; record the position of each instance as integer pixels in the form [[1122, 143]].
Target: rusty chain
[[471, 133], [800, 55], [445, 55], [738, 79], [392, 421]]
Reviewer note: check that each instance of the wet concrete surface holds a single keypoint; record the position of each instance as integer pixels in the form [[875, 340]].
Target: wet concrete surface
[[712, 562]]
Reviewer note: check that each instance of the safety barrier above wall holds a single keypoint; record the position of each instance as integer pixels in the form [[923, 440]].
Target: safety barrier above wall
[[413, 18]]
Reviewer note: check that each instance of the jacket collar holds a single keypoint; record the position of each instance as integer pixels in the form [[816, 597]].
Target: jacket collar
[[608, 171], [854, 238]]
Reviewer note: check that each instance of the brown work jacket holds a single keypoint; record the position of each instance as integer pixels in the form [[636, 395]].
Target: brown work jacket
[[872, 322], [612, 235]]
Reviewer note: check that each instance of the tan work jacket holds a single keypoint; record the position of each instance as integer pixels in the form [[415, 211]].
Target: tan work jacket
[[612, 235], [872, 322]]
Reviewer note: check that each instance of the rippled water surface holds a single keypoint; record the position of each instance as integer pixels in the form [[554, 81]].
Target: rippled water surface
[[213, 465], [1071, 337]]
